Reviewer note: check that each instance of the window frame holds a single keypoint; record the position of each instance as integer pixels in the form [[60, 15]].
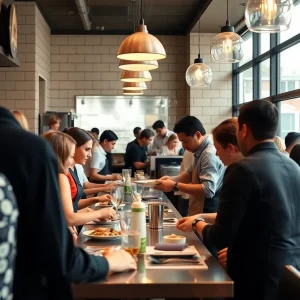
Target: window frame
[[274, 55]]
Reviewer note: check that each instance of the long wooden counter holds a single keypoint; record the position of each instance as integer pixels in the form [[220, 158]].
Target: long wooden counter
[[213, 282]]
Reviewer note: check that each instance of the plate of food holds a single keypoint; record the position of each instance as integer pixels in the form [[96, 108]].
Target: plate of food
[[103, 233], [147, 183], [106, 222]]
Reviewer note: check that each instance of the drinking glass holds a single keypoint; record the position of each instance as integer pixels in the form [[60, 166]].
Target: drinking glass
[[125, 172], [117, 196], [137, 191], [131, 242]]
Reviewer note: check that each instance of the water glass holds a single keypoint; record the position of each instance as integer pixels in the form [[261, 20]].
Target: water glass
[[137, 191], [117, 196]]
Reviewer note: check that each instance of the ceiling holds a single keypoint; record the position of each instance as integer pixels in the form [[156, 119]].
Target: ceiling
[[162, 17], [215, 15]]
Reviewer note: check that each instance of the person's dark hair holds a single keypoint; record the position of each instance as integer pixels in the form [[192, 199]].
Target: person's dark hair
[[79, 135], [225, 133], [295, 154], [95, 130], [108, 135], [189, 125], [136, 130], [158, 125], [146, 133], [291, 138], [261, 117]]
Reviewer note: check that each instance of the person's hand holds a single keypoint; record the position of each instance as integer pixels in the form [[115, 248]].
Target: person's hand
[[117, 177], [165, 178], [222, 257], [107, 213], [120, 261], [104, 198], [166, 185], [185, 224]]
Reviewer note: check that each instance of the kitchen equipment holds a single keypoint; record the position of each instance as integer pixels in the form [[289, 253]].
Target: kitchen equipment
[[169, 170], [156, 215]]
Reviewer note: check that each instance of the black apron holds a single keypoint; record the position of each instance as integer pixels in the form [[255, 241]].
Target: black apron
[[104, 171], [79, 189]]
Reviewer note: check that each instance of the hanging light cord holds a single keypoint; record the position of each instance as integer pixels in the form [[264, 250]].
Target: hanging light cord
[[227, 21], [199, 41], [141, 13]]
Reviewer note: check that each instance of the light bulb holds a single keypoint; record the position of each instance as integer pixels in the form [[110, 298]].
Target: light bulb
[[227, 47], [268, 10]]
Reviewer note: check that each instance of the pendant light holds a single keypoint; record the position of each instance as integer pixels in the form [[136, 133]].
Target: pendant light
[[134, 86], [198, 74], [136, 76], [227, 46], [133, 93], [132, 65], [268, 15], [141, 45]]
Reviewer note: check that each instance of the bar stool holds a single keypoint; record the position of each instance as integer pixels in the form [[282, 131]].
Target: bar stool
[[289, 287]]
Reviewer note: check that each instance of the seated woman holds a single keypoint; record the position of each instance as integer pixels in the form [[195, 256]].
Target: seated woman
[[64, 148], [172, 146], [84, 145], [225, 141], [21, 119]]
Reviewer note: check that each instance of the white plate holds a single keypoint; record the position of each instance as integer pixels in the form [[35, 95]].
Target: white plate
[[97, 237], [106, 222], [189, 251], [146, 183]]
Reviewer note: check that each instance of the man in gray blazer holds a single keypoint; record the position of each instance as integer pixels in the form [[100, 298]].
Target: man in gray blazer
[[259, 210]]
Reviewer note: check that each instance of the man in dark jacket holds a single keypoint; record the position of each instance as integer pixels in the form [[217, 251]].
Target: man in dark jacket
[[47, 261], [259, 209]]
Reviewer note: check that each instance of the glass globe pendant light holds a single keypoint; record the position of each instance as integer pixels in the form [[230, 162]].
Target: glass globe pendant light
[[198, 74], [227, 46], [268, 15]]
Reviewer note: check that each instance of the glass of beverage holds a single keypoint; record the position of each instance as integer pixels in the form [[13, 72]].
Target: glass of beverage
[[117, 196], [137, 191], [131, 242]]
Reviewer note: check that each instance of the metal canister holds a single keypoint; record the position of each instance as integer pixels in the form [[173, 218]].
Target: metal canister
[[156, 215]]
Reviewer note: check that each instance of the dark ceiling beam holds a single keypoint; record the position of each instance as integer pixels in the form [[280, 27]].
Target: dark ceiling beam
[[108, 32], [200, 8]]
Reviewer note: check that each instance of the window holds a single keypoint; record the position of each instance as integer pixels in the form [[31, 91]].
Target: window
[[264, 42], [290, 69], [265, 78], [295, 25], [246, 86], [247, 48], [289, 116]]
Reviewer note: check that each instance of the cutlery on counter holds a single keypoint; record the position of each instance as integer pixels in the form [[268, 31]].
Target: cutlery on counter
[[156, 260]]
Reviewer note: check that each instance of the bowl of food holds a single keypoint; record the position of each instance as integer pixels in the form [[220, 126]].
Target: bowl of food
[[174, 239]]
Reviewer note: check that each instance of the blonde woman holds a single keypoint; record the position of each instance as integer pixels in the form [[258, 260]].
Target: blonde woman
[[21, 119], [64, 147], [172, 146], [279, 143]]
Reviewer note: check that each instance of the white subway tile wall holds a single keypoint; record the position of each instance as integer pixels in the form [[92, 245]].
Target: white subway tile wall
[[211, 104]]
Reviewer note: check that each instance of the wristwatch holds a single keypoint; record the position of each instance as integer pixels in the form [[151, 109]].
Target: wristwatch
[[175, 188], [194, 226]]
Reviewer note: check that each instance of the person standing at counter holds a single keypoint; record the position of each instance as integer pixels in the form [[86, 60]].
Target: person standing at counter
[[136, 155], [161, 138], [99, 167], [136, 132], [54, 122], [259, 212], [292, 139], [95, 132], [204, 178]]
